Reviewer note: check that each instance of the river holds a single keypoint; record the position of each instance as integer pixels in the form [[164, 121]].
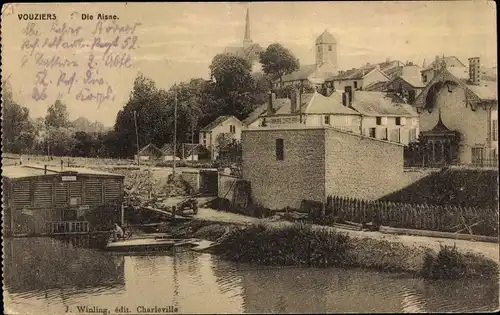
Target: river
[[45, 276]]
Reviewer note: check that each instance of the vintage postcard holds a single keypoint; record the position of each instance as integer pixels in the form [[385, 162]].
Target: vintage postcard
[[249, 157]]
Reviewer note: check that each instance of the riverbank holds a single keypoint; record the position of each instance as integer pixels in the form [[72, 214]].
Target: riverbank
[[236, 238]]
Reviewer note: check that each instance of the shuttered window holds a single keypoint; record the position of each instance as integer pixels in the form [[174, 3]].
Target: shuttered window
[[21, 193], [62, 193], [112, 190], [43, 194], [93, 192]]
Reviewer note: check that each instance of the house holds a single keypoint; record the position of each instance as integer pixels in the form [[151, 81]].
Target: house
[[428, 72], [150, 153], [221, 125], [168, 152], [254, 119], [372, 114], [289, 164], [41, 200], [383, 118], [458, 115], [326, 65], [194, 152]]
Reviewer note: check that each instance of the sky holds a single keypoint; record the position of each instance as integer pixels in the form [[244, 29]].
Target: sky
[[177, 41]]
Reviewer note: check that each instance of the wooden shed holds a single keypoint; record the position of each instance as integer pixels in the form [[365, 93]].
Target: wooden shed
[[42, 200]]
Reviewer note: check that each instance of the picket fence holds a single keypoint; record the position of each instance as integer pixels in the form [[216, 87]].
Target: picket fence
[[444, 218]]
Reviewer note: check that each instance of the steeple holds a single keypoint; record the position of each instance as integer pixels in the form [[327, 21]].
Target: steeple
[[247, 40]]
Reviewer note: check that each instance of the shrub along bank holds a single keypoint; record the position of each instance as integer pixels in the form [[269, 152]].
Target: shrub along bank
[[301, 245]]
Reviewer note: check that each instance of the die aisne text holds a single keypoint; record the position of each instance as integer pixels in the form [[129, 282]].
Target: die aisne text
[[37, 16], [100, 16]]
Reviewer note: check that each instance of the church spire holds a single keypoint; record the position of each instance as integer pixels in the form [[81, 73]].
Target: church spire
[[247, 40]]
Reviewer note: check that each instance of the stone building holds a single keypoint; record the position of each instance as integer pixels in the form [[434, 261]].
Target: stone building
[[287, 165]]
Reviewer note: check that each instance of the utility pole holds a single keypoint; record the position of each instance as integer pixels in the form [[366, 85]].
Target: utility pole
[[136, 137], [175, 129]]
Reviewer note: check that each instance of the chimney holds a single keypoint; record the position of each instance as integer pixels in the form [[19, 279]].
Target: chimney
[[270, 109], [350, 95], [475, 70], [344, 98], [293, 101], [45, 169]]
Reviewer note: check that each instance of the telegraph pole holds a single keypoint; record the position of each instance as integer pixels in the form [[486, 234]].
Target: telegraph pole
[[175, 128], [136, 137]]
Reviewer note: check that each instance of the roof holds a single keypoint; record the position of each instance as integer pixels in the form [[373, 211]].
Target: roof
[[415, 82], [149, 146], [16, 172], [379, 86], [325, 38], [379, 104], [168, 149], [389, 68], [320, 104], [302, 74], [219, 120], [450, 62], [286, 108], [262, 110]]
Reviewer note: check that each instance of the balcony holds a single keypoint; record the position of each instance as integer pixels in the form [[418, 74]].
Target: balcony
[[69, 227]]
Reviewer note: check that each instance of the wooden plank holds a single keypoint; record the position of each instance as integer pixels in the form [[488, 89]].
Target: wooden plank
[[481, 238]]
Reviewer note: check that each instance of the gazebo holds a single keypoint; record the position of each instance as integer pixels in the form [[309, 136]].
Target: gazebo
[[441, 143]]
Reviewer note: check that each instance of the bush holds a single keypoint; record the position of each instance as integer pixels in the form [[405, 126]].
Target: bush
[[297, 245], [447, 264]]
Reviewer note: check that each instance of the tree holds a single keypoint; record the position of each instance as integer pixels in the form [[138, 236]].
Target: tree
[[17, 131], [278, 61], [228, 147], [57, 115]]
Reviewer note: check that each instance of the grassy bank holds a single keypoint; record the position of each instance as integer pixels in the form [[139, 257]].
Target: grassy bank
[[300, 245]]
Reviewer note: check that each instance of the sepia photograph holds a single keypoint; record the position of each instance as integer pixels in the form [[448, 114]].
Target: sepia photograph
[[249, 157]]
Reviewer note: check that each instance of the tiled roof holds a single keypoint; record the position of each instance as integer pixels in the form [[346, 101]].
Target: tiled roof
[[262, 110], [388, 68], [376, 87], [379, 104], [302, 74], [216, 122], [320, 104], [286, 108], [486, 90]]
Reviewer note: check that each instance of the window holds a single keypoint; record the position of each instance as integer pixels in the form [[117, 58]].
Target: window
[[424, 78], [379, 121], [355, 84], [280, 150], [477, 155], [232, 128], [413, 135], [411, 96], [398, 121], [319, 49], [204, 136], [327, 119], [494, 130], [372, 132], [330, 48]]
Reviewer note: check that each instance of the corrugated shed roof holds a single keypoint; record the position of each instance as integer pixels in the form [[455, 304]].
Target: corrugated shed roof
[[219, 120], [38, 170], [149, 147], [262, 110], [302, 74], [320, 104], [378, 104]]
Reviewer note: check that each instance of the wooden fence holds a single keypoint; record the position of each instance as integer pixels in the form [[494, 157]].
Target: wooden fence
[[444, 218]]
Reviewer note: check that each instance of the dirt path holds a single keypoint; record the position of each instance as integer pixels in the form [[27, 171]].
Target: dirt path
[[489, 250]]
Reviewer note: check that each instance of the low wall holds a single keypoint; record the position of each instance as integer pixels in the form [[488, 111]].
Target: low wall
[[193, 179], [227, 185]]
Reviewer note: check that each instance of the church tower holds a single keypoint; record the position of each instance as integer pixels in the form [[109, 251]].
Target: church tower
[[326, 50], [247, 40]]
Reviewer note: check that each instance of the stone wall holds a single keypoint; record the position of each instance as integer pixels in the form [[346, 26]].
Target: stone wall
[[278, 184], [193, 179], [226, 186], [362, 167]]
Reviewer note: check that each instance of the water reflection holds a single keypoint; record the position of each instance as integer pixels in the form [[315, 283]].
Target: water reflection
[[44, 276]]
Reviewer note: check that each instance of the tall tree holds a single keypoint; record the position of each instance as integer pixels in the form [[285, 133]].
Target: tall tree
[[17, 130], [278, 61], [57, 115]]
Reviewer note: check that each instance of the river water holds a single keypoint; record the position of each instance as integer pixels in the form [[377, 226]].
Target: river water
[[45, 276]]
